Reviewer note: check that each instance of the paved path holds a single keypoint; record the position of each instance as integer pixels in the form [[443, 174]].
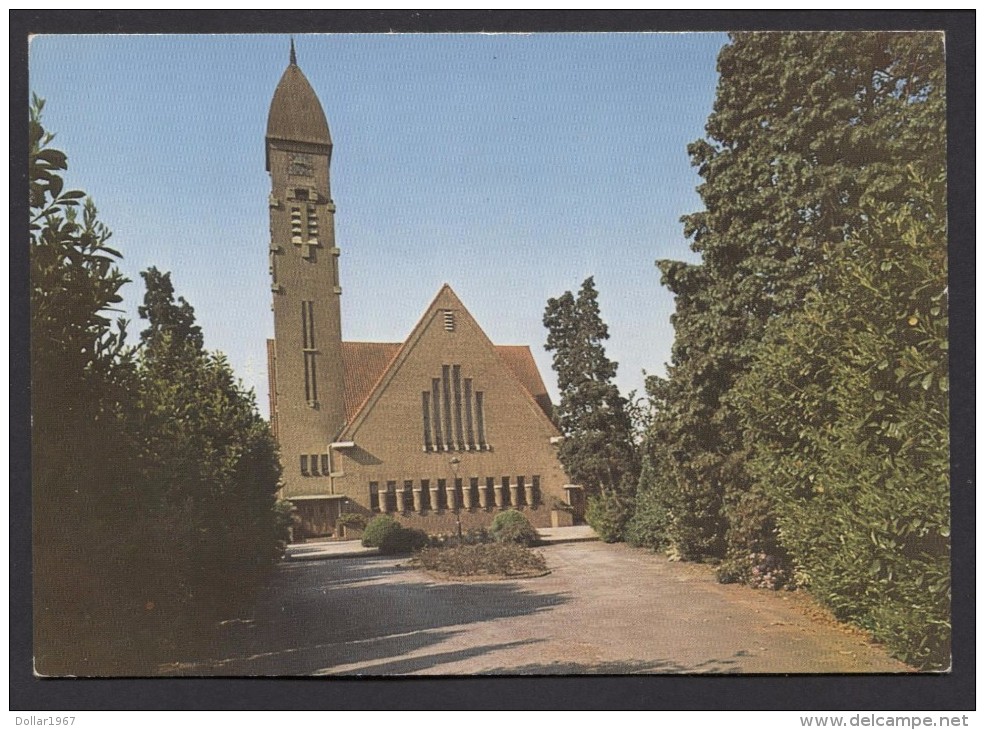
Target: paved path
[[328, 549], [607, 609]]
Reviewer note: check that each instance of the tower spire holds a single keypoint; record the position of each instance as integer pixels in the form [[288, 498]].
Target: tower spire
[[294, 56]]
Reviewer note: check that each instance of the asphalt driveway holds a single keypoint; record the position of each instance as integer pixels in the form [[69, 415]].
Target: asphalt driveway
[[604, 609]]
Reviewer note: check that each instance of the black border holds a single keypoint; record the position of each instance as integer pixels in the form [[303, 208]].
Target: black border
[[952, 691]]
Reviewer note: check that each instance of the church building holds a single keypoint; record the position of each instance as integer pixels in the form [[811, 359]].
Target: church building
[[443, 429]]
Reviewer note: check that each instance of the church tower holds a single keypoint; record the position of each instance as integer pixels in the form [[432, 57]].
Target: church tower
[[307, 397]]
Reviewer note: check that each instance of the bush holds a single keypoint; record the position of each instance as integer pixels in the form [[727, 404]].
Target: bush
[[648, 526], [512, 526], [608, 514], [847, 405], [754, 555], [354, 520], [500, 558], [377, 530], [403, 540]]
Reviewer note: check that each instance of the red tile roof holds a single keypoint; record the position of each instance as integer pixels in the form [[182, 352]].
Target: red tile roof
[[521, 361], [364, 363]]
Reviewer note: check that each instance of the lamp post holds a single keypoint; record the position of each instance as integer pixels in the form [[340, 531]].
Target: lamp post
[[455, 461]]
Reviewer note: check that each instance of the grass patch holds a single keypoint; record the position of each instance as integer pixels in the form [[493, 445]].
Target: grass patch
[[498, 559]]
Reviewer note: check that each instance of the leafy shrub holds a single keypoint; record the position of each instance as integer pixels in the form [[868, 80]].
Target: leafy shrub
[[283, 520], [354, 520], [175, 520], [512, 526], [608, 514], [848, 407], [402, 540], [377, 530], [754, 555], [649, 523], [498, 558], [647, 527]]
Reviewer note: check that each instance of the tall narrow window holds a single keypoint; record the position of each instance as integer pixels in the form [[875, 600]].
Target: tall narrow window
[[474, 491], [521, 492], [304, 464], [310, 378], [490, 490], [304, 325], [325, 467], [374, 497], [506, 491], [408, 494], [480, 420], [314, 465], [436, 404], [426, 494], [446, 398], [459, 493], [389, 500], [308, 345], [308, 325], [535, 489], [442, 495], [426, 414], [456, 379], [469, 428]]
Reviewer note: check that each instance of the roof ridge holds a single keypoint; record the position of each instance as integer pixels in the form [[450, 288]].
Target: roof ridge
[[416, 333], [403, 347]]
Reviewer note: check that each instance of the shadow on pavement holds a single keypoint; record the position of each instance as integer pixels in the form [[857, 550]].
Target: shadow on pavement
[[311, 617], [632, 666], [427, 661]]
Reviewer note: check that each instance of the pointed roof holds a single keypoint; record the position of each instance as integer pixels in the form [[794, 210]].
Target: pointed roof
[[521, 361], [295, 112], [369, 357], [364, 363]]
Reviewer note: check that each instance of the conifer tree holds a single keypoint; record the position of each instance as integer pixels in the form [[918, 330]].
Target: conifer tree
[[598, 450], [808, 131]]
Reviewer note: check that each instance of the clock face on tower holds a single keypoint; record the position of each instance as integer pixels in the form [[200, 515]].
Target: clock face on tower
[[300, 166]]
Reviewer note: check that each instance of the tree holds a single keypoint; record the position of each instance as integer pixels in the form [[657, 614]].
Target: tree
[[847, 405], [171, 322], [81, 379], [804, 415], [809, 130], [597, 450], [154, 477], [207, 454], [78, 363]]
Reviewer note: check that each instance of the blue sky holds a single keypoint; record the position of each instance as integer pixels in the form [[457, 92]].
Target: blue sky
[[510, 166]]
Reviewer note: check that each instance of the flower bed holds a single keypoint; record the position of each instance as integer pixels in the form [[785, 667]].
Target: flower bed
[[487, 560]]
